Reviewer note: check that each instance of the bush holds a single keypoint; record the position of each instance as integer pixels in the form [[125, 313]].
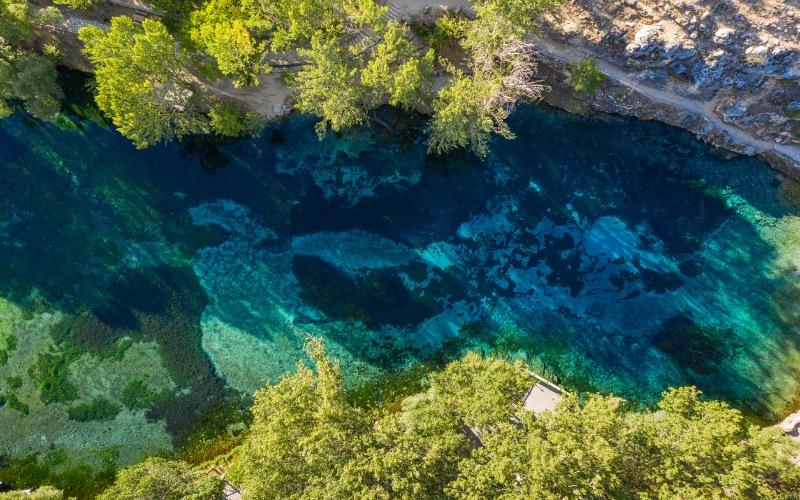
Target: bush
[[585, 76]]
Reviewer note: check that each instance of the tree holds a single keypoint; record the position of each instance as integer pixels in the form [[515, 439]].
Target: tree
[[227, 30], [418, 451], [396, 73], [24, 74], [329, 86], [503, 71], [76, 4], [159, 479], [463, 116], [16, 21], [143, 83], [228, 121], [298, 21], [689, 448], [34, 82], [43, 493], [522, 13], [303, 435], [703, 449], [585, 76]]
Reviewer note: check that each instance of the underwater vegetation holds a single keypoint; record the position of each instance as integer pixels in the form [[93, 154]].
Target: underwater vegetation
[[144, 300]]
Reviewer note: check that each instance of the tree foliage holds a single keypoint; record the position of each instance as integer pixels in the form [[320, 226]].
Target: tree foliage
[[159, 479], [76, 4], [228, 31], [339, 83], [329, 86], [143, 82], [585, 76], [502, 67], [467, 436], [43, 493], [25, 75], [397, 73]]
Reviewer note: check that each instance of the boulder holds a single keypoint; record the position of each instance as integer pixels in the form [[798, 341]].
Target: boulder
[[724, 36], [678, 68], [735, 111], [644, 43]]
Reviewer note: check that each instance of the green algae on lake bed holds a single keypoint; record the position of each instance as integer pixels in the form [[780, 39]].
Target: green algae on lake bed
[[616, 255]]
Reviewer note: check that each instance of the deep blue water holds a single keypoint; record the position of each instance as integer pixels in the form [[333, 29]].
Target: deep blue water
[[611, 254]]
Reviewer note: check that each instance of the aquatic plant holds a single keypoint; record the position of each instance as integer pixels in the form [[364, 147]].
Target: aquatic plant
[[50, 372], [137, 395], [100, 410], [14, 402], [789, 193], [14, 383], [699, 348]]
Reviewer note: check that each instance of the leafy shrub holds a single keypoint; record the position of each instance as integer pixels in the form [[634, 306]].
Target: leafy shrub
[[100, 409], [585, 76]]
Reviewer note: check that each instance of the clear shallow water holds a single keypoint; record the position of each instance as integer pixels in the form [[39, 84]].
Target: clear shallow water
[[614, 255]]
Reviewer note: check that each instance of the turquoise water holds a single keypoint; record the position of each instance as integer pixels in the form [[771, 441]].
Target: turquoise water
[[611, 254]]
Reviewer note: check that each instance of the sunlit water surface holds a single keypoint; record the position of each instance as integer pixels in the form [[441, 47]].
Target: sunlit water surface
[[612, 255]]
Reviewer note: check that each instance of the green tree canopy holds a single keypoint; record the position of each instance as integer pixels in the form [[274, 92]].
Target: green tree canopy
[[304, 433], [502, 72], [33, 80], [228, 31], [467, 436], [339, 83], [25, 75], [397, 73], [329, 86], [159, 479], [585, 76], [43, 493], [142, 81], [688, 448], [16, 21]]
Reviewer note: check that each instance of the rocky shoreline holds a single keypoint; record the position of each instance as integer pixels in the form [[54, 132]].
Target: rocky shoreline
[[724, 72]]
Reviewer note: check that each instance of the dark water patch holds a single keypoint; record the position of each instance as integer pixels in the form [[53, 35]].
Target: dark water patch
[[165, 304], [378, 297], [609, 176], [701, 349], [457, 162], [690, 268], [658, 282], [565, 269]]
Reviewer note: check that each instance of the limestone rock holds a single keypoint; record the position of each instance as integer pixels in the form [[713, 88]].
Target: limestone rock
[[644, 43], [724, 36]]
